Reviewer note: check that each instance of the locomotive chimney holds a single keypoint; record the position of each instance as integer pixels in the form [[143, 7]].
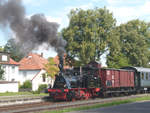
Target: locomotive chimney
[[42, 54], [61, 64]]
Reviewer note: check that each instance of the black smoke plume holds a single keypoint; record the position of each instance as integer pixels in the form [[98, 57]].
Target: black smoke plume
[[30, 33]]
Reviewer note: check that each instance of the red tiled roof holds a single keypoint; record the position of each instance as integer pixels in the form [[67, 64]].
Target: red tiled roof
[[11, 62], [32, 62]]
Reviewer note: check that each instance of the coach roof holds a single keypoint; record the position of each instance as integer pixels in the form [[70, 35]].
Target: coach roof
[[139, 69]]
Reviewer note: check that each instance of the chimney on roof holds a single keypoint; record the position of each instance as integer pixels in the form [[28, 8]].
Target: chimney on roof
[[42, 54]]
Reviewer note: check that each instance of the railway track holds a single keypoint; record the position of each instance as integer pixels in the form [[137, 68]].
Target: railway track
[[42, 106], [11, 100]]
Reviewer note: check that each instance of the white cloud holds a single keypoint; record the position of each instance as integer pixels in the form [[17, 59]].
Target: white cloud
[[117, 2], [127, 12], [47, 51], [34, 2], [96, 0], [31, 2], [145, 9], [63, 18], [53, 19], [86, 6]]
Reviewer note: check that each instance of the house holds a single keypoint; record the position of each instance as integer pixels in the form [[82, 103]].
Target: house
[[32, 68], [11, 73], [10, 67]]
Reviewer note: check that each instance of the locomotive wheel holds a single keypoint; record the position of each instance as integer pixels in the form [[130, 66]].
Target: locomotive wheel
[[87, 96], [71, 96], [105, 94]]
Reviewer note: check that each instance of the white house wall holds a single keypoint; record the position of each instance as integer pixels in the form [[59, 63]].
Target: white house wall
[[36, 77], [9, 87], [27, 75], [11, 72], [38, 80]]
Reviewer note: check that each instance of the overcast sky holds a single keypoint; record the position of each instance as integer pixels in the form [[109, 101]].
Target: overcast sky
[[57, 11]]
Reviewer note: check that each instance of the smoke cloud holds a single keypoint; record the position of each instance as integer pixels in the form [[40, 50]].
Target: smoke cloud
[[30, 33]]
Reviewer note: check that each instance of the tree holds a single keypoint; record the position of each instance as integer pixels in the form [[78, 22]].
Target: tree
[[1, 73], [130, 45], [1, 49], [51, 68], [13, 48], [87, 34]]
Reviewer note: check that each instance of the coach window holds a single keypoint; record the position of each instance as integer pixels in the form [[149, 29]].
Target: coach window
[[146, 76], [142, 75]]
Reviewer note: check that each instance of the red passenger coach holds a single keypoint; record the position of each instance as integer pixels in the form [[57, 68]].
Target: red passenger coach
[[117, 80]]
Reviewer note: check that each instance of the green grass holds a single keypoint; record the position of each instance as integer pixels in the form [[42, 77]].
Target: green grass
[[22, 93], [100, 105]]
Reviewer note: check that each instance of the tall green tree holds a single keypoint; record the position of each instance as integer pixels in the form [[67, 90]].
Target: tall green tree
[[14, 49], [130, 45], [1, 73], [87, 34]]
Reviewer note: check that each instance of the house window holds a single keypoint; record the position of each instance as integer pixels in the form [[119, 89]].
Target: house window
[[44, 78], [13, 69], [4, 57], [4, 68], [24, 73]]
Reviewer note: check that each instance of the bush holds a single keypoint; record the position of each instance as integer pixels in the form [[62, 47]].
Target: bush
[[26, 85], [42, 88], [35, 92]]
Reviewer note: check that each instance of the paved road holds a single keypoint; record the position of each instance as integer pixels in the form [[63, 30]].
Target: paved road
[[138, 107]]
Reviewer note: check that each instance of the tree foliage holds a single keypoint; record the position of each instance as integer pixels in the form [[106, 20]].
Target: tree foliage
[[130, 45], [1, 49], [26, 84], [14, 49], [51, 68], [1, 73], [87, 34]]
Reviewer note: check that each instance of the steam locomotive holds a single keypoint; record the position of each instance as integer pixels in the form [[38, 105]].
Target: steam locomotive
[[92, 81]]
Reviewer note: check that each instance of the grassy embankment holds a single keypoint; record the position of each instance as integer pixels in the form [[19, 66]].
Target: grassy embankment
[[101, 105], [22, 93]]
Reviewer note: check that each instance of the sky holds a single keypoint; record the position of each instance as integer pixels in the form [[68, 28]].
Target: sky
[[58, 10]]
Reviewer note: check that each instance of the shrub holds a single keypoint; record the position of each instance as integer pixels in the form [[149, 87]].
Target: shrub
[[42, 88], [27, 84], [35, 92]]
